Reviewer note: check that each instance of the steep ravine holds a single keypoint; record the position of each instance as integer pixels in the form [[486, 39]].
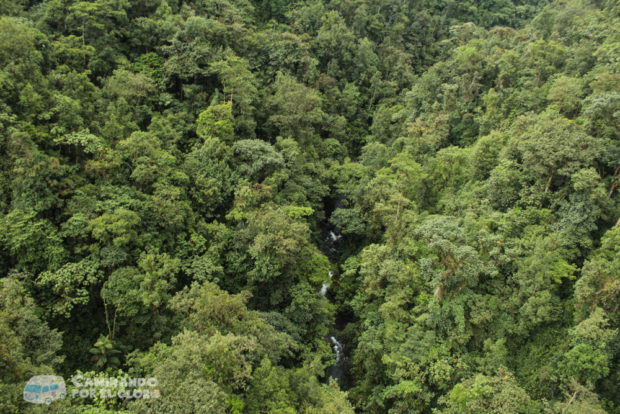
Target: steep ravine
[[340, 369]]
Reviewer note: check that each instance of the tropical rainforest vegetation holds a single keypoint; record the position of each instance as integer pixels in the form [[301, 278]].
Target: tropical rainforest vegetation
[[170, 170]]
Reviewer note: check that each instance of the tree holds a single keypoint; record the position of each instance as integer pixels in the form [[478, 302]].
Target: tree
[[296, 109], [554, 148], [590, 354], [211, 177], [33, 244], [20, 57], [71, 285], [255, 160], [100, 24], [483, 394], [216, 122], [27, 345], [567, 94], [455, 266], [599, 285], [240, 85]]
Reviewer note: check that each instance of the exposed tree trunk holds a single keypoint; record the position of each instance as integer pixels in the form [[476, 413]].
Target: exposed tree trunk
[[549, 182], [114, 324], [397, 214], [84, 39], [461, 287], [570, 401], [107, 320], [439, 293], [614, 185], [372, 98], [180, 87]]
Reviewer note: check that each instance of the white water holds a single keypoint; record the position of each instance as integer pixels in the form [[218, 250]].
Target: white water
[[326, 285], [337, 348], [324, 289], [334, 236], [336, 345], [337, 371]]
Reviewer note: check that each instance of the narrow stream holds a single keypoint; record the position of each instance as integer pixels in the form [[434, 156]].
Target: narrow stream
[[338, 370]]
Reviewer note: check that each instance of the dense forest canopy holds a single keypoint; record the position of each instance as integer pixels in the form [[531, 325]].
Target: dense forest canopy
[[171, 169]]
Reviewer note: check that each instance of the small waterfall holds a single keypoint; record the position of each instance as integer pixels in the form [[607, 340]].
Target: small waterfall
[[326, 286], [338, 371], [331, 245], [338, 349], [335, 237], [324, 289]]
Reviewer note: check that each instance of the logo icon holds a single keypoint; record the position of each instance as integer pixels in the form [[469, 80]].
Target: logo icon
[[43, 389]]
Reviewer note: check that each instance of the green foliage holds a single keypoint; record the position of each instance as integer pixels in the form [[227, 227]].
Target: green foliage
[[27, 345], [104, 353], [216, 122], [182, 181], [483, 394], [233, 353], [297, 109]]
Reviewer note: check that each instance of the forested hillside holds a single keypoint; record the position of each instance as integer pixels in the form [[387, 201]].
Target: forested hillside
[[173, 171]]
